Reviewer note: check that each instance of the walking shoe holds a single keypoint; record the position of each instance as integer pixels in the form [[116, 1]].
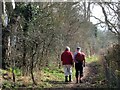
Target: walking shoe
[[70, 80], [66, 78], [76, 80], [81, 81]]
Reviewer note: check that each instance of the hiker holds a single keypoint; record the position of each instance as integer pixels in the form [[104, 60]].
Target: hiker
[[79, 59], [67, 62]]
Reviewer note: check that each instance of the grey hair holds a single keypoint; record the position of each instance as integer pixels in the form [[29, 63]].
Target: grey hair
[[67, 48]]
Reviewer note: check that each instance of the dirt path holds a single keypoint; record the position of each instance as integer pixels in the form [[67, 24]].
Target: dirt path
[[84, 79], [89, 78]]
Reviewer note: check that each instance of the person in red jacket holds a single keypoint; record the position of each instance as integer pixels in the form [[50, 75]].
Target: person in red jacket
[[79, 59], [67, 62]]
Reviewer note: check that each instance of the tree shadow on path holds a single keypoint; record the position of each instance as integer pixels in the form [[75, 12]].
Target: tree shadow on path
[[55, 82]]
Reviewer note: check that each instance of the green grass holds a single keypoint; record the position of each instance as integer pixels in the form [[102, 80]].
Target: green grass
[[93, 58], [16, 70], [55, 73], [46, 79], [50, 75]]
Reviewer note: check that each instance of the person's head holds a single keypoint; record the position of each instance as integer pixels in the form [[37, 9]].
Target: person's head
[[79, 49], [67, 48]]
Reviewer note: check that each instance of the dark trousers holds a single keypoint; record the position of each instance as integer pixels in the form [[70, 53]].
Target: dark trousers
[[79, 69]]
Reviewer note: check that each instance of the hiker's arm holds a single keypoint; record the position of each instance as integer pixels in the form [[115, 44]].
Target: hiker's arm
[[72, 64], [84, 61], [62, 57], [72, 60]]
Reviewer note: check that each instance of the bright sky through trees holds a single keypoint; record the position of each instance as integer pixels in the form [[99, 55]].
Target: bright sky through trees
[[96, 12]]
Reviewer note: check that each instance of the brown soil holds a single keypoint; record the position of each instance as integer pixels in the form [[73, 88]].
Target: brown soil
[[89, 79]]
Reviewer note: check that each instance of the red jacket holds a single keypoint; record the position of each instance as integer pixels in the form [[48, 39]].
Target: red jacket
[[79, 56], [67, 58]]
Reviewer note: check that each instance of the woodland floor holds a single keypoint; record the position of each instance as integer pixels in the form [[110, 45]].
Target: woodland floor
[[93, 78]]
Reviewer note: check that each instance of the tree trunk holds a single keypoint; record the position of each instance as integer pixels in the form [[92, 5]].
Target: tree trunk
[[32, 75], [5, 35], [13, 75], [32, 66], [107, 74], [24, 48], [0, 36]]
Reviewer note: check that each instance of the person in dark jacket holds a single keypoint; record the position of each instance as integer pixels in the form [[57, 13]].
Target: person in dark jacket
[[67, 62], [79, 59]]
